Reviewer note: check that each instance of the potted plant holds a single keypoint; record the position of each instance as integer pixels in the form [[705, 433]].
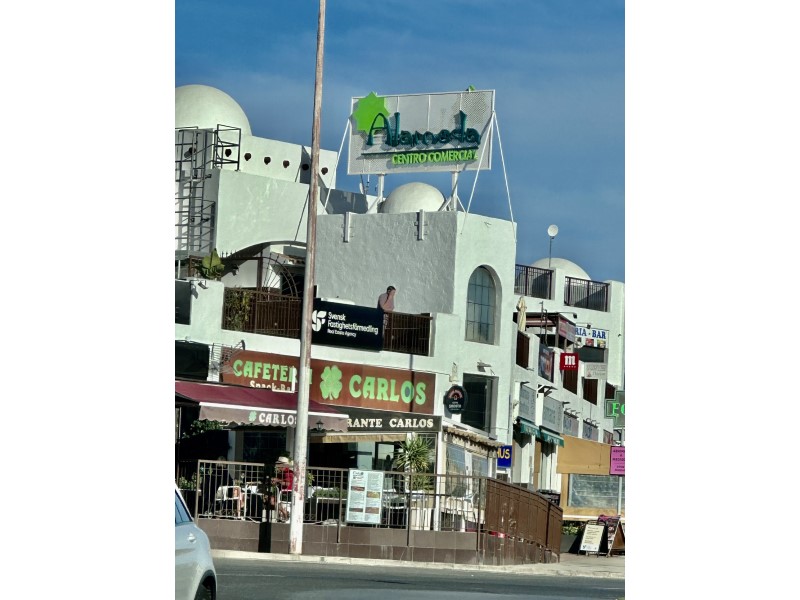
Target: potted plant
[[414, 456]]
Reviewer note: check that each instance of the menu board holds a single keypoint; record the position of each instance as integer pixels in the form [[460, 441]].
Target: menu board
[[592, 537], [364, 496]]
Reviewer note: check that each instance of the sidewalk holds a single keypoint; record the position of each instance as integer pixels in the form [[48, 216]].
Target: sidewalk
[[571, 565]]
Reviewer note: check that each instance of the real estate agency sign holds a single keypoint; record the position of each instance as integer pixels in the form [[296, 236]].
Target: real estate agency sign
[[617, 460]]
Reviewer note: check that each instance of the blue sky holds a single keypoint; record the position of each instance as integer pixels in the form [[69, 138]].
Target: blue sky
[[558, 69]]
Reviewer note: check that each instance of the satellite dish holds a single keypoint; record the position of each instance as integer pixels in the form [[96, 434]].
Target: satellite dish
[[552, 231]]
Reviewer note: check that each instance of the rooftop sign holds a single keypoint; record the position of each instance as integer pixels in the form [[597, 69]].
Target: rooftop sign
[[420, 133]]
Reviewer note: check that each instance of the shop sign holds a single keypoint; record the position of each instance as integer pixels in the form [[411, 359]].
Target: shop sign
[[345, 325], [455, 399], [566, 329], [551, 414], [546, 362], [504, 457], [617, 460], [569, 361], [336, 383], [420, 132], [589, 431], [586, 336], [570, 425], [527, 403], [615, 409], [369, 421], [593, 370]]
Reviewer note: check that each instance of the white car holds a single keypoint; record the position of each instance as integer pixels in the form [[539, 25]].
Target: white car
[[195, 576]]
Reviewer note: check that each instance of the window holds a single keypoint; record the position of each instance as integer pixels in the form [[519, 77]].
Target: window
[[263, 446], [480, 307], [477, 410], [595, 491]]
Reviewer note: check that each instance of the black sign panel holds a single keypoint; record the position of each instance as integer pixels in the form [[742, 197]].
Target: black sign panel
[[345, 325], [360, 419], [183, 302], [455, 399]]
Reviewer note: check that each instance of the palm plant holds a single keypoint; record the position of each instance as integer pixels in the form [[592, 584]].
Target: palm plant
[[414, 456]]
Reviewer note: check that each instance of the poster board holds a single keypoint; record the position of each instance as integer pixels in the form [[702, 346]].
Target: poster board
[[592, 538], [364, 496]]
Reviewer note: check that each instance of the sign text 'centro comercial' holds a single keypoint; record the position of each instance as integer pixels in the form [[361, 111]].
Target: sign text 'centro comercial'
[[336, 383], [421, 132]]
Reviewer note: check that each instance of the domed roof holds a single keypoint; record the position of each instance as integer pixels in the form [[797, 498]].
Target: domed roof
[[412, 197], [206, 107], [571, 269]]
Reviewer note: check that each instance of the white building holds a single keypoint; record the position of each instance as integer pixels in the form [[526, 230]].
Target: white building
[[455, 319]]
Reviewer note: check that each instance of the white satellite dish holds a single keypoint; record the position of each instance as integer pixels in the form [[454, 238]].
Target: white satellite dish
[[552, 231]]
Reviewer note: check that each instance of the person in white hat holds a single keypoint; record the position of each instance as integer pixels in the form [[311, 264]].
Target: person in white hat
[[284, 479]]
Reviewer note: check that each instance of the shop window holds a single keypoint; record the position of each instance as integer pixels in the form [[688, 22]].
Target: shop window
[[480, 307], [590, 390], [263, 446], [569, 380], [595, 491], [477, 411]]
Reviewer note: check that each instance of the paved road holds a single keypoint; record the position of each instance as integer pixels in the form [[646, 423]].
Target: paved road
[[242, 579]]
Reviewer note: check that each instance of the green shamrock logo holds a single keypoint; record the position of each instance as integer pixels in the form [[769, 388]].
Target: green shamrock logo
[[368, 108], [252, 416], [331, 383]]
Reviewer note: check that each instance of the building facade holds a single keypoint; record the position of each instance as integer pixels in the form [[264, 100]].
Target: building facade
[[465, 317]]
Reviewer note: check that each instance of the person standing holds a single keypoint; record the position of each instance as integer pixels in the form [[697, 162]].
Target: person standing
[[386, 300], [386, 304]]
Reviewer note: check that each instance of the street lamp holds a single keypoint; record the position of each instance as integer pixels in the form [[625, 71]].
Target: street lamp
[[552, 231]]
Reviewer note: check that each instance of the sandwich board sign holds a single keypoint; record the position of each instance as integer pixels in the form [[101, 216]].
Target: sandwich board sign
[[592, 538]]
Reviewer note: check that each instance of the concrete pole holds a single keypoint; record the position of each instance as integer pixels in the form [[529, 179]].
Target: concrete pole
[[301, 431]]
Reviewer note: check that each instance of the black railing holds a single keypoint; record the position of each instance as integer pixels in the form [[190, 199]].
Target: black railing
[[533, 282], [583, 293], [271, 313]]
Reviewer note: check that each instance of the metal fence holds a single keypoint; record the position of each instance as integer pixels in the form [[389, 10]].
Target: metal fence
[[532, 281], [411, 501], [583, 293]]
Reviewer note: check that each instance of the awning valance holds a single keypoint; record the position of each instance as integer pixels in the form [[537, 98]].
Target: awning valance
[[239, 405], [550, 438], [527, 427]]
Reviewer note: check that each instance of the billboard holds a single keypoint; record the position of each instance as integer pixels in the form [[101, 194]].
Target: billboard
[[346, 325], [416, 133]]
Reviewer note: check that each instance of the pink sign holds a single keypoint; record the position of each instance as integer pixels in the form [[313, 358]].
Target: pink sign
[[617, 460]]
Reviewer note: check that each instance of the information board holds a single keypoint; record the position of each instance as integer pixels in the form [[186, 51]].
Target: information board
[[364, 496], [592, 537]]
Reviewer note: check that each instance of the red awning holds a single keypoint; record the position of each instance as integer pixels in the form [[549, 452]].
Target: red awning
[[239, 405]]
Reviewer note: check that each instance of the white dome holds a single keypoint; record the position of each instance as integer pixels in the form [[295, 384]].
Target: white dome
[[571, 269], [206, 107], [412, 197]]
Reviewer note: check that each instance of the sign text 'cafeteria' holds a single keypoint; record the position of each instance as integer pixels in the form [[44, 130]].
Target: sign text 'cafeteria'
[[334, 324]]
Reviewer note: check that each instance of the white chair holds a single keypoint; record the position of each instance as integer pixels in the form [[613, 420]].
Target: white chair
[[230, 500]]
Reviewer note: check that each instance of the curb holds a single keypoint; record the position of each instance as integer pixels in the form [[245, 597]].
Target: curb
[[552, 569]]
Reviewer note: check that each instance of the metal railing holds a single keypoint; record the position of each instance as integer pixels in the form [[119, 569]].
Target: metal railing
[[271, 313], [410, 501], [583, 293], [533, 281]]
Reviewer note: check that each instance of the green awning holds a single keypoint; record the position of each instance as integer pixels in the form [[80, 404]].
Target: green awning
[[528, 428], [550, 438]]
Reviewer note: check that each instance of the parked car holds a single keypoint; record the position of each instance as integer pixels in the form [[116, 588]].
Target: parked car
[[195, 575]]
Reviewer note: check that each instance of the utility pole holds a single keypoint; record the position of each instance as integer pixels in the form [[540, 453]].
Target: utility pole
[[304, 385]]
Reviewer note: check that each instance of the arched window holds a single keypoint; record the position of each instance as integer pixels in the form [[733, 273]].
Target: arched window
[[480, 307]]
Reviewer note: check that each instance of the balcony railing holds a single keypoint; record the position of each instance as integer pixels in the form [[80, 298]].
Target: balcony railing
[[271, 313], [532, 281], [582, 293]]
